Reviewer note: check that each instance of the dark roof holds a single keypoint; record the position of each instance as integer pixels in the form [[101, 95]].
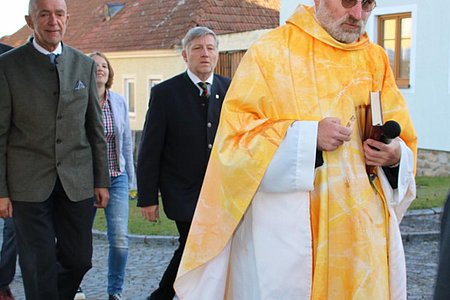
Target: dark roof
[[156, 24]]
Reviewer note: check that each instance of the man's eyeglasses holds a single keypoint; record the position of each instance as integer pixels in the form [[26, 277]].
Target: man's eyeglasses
[[367, 5]]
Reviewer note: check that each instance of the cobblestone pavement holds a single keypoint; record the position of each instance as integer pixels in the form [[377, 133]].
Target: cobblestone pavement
[[421, 242], [149, 257]]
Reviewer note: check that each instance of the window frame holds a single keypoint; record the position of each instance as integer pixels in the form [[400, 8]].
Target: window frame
[[126, 93], [372, 30], [398, 17], [152, 80]]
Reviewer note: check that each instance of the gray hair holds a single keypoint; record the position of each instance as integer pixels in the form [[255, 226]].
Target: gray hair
[[32, 5], [197, 32]]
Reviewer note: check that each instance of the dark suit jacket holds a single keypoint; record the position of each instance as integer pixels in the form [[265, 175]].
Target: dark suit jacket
[[4, 48], [442, 288], [50, 126], [179, 130]]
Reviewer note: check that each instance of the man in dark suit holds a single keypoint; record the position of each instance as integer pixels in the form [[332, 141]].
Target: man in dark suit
[[4, 48], [53, 159], [177, 139], [8, 254], [442, 288]]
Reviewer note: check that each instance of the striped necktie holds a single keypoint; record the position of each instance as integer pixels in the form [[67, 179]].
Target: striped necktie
[[204, 87]]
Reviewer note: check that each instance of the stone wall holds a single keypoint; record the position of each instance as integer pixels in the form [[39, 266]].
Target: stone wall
[[433, 163], [429, 162]]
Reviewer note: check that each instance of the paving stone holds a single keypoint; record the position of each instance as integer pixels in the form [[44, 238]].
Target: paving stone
[[149, 256]]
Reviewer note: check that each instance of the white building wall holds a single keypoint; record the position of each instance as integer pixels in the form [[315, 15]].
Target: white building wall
[[428, 97]]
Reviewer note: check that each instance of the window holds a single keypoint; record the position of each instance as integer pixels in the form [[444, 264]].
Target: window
[[152, 81], [395, 36], [130, 95], [111, 9]]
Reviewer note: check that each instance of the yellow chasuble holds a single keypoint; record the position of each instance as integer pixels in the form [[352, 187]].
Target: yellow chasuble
[[299, 72]]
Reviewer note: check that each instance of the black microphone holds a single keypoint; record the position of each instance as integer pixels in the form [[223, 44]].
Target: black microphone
[[390, 130]]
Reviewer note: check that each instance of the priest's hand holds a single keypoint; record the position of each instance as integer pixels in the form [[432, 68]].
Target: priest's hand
[[331, 134], [381, 154], [150, 213]]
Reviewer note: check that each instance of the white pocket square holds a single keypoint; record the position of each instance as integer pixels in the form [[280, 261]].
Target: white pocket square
[[79, 85]]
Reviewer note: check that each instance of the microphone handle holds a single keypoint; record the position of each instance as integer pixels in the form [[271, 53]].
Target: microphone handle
[[375, 134], [385, 139]]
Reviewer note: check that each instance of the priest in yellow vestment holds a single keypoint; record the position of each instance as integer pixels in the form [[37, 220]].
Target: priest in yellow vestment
[[287, 209]]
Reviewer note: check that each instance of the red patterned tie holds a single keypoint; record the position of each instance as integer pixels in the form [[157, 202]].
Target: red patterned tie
[[204, 87]]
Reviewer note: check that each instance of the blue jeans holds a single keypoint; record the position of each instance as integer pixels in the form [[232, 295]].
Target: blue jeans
[[117, 229], [8, 254]]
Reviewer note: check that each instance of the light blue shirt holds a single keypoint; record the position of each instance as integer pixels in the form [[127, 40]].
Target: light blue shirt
[[124, 146]]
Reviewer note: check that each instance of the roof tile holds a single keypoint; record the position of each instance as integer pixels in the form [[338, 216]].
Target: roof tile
[[156, 24]]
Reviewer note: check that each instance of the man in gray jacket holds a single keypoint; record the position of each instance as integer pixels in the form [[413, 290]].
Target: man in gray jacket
[[53, 162], [8, 253]]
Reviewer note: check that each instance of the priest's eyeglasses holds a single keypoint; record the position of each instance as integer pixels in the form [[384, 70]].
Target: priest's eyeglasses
[[367, 5]]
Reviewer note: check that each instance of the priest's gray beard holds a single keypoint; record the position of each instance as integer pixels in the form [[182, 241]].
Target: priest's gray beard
[[334, 26]]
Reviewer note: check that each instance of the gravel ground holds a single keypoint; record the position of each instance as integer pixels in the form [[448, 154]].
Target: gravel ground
[[148, 258]]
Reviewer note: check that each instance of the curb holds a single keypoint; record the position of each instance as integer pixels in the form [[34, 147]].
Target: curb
[[167, 240], [424, 235], [151, 240], [424, 212], [420, 236]]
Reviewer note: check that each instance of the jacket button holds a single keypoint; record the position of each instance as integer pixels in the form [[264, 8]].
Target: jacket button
[[58, 164], [58, 141], [209, 125], [210, 146]]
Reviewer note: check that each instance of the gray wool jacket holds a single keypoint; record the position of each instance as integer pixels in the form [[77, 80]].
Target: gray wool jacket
[[50, 126]]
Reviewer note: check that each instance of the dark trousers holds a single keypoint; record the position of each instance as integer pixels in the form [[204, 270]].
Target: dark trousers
[[165, 290], [54, 239], [442, 289], [8, 255]]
